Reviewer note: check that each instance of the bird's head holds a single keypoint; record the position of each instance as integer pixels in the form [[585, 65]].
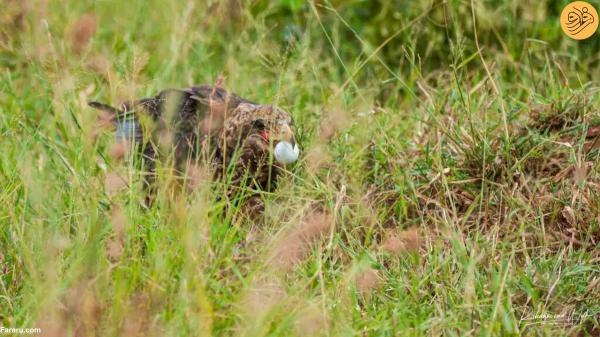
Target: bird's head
[[271, 125]]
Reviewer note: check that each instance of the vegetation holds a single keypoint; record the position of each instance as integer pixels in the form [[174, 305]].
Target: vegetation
[[448, 184]]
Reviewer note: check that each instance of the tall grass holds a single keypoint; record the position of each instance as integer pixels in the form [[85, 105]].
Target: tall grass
[[433, 197]]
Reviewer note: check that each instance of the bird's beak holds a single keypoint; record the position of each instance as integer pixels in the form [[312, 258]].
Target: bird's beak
[[287, 134]]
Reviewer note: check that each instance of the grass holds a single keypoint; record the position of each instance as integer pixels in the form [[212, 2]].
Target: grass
[[433, 196]]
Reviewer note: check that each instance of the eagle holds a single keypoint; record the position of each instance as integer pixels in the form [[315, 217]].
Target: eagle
[[247, 142]]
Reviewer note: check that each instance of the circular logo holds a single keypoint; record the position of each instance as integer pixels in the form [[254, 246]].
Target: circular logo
[[579, 20]]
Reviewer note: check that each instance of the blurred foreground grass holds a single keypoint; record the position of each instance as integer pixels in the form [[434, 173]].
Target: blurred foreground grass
[[433, 197]]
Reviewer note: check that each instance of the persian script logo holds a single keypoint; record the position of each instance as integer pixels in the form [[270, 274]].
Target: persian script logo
[[579, 20]]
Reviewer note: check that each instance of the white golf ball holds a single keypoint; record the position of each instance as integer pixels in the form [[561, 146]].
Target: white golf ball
[[285, 153]]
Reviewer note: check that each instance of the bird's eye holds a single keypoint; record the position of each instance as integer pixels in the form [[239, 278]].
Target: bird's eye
[[258, 124]]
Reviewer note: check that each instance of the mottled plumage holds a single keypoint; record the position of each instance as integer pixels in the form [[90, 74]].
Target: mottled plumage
[[211, 122]]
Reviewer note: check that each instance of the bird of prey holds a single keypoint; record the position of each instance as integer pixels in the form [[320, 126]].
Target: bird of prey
[[250, 141]]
